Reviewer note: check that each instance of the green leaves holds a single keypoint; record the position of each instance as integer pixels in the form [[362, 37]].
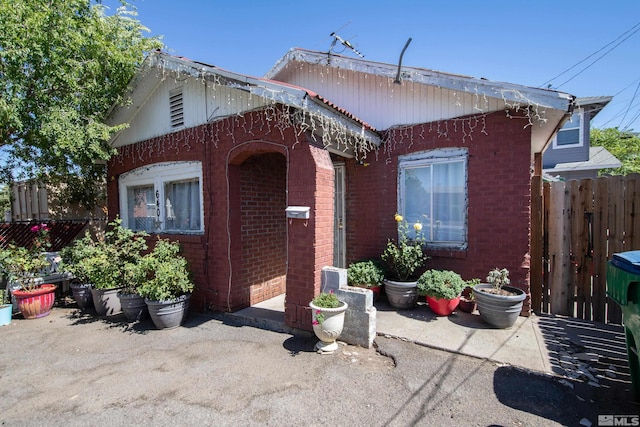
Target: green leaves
[[624, 145], [63, 65]]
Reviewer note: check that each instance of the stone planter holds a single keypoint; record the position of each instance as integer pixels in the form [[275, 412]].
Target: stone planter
[[82, 294], [500, 311], [168, 314], [106, 301], [329, 329], [36, 304], [402, 295], [133, 306]]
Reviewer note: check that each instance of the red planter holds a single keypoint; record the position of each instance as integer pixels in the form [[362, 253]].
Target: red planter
[[36, 304], [442, 307]]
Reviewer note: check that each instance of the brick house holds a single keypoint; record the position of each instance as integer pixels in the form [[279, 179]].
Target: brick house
[[267, 181]]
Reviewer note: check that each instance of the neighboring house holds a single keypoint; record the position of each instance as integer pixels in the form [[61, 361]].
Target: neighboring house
[[570, 155], [266, 181]]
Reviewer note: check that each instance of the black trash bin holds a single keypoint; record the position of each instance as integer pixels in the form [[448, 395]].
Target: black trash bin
[[623, 287]]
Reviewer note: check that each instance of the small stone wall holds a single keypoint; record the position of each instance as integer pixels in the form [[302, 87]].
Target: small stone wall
[[360, 317]]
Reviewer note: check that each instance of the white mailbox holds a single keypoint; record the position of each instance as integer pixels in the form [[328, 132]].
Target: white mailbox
[[298, 212]]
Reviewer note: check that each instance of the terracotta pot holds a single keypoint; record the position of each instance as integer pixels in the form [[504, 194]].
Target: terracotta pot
[[467, 305], [38, 303], [442, 306]]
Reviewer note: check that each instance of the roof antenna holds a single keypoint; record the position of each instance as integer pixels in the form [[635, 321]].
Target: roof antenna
[[398, 80], [345, 43]]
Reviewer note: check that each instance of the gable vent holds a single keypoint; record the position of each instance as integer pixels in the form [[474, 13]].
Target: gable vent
[[176, 108]]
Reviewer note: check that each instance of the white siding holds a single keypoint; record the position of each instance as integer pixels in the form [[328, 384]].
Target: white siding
[[382, 103], [202, 103]]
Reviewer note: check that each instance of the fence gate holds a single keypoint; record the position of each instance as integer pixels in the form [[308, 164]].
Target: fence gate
[[576, 227]]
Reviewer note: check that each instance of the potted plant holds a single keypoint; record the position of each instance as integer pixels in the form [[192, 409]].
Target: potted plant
[[105, 264], [327, 316], [132, 303], [76, 259], [403, 258], [24, 268], [366, 274], [167, 286], [6, 308], [442, 290], [499, 304], [467, 299]]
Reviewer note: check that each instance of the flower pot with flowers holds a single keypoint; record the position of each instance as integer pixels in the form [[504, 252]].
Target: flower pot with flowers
[[327, 315], [6, 308], [404, 258], [25, 268], [499, 305], [366, 274], [442, 290]]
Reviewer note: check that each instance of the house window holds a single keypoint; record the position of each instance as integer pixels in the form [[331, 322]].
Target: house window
[[570, 135], [433, 191], [176, 108], [165, 197]]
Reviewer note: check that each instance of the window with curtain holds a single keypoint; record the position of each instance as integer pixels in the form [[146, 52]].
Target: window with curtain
[[165, 197], [433, 191]]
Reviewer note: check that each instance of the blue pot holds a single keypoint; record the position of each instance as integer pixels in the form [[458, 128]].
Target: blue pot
[[5, 314]]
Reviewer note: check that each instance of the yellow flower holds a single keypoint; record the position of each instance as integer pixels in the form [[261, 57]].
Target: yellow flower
[[417, 226], [398, 217]]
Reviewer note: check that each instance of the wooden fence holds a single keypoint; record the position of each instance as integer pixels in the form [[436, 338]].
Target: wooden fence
[[576, 227]]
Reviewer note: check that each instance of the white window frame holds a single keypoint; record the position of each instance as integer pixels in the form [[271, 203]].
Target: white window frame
[[576, 121], [158, 175], [426, 159]]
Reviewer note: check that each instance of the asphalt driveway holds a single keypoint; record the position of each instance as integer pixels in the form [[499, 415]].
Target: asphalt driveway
[[72, 368]]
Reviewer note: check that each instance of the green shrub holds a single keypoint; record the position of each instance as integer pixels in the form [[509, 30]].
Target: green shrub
[[441, 284], [365, 274]]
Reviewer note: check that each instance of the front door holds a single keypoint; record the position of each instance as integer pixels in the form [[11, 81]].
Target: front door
[[339, 243]]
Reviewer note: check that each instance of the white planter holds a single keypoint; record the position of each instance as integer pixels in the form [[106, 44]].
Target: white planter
[[330, 328]]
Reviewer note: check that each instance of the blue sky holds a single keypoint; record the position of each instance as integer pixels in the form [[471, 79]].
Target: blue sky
[[522, 42]]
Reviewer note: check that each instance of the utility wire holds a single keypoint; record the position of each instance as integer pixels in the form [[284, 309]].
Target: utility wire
[[630, 104], [632, 30]]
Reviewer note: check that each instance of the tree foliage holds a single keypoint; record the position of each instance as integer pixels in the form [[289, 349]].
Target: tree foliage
[[63, 65], [624, 145]]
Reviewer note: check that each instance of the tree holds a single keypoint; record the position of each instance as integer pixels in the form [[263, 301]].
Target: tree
[[63, 65], [624, 145]]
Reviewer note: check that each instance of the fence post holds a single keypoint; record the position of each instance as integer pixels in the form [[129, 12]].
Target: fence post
[[559, 250], [536, 245]]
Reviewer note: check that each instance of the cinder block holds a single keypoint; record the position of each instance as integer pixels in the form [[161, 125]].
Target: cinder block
[[333, 278]]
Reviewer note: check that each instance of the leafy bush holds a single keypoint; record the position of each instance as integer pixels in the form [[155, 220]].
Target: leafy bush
[[167, 275], [405, 256], [441, 284], [109, 262], [365, 274]]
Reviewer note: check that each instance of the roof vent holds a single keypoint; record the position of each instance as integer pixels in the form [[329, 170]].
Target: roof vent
[[176, 108]]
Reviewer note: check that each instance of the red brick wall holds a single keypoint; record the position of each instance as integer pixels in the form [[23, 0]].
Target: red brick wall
[[499, 171], [263, 180], [243, 156]]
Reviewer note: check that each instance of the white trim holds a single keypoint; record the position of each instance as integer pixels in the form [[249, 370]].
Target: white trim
[[157, 175], [579, 113]]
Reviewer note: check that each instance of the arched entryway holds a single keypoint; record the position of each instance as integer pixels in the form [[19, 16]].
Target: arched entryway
[[258, 232]]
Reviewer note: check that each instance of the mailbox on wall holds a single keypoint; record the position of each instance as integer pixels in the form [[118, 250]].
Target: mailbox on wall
[[298, 212]]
